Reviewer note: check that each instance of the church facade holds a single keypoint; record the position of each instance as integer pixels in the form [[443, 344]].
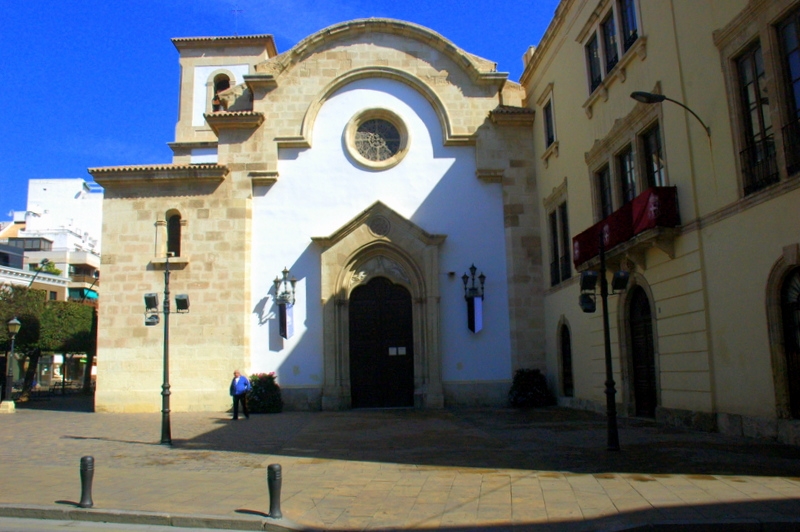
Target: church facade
[[376, 163]]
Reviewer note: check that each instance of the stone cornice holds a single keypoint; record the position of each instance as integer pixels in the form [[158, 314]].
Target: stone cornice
[[260, 81], [234, 120], [506, 115], [182, 43], [546, 40], [188, 146], [110, 176]]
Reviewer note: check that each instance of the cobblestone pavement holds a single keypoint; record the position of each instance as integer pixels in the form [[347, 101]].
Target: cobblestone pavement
[[383, 469]]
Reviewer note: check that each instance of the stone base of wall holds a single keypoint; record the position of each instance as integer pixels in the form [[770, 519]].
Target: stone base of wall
[[143, 401], [687, 419], [583, 404], [493, 393], [786, 431], [302, 399]]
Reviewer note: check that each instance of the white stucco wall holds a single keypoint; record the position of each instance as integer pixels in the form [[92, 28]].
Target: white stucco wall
[[320, 189], [204, 156], [65, 211]]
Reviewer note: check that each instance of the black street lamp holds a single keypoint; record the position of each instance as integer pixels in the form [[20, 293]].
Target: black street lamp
[[96, 276], [651, 98], [151, 307], [42, 264], [13, 328], [619, 283]]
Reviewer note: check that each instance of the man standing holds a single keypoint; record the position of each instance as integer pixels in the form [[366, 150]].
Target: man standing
[[240, 385]]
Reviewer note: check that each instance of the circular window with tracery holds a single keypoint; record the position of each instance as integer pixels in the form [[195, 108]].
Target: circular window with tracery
[[376, 138]]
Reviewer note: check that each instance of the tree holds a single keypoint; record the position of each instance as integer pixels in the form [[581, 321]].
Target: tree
[[66, 328], [50, 268], [47, 326], [27, 306]]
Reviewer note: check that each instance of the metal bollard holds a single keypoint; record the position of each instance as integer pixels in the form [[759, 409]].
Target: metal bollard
[[87, 475], [274, 486]]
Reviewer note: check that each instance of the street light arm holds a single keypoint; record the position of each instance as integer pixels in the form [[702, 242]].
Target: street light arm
[[708, 129]]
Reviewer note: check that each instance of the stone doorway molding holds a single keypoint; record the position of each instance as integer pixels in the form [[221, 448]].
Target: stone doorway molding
[[380, 243]]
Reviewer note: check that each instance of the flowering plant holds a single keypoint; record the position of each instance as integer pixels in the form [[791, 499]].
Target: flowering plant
[[265, 395]]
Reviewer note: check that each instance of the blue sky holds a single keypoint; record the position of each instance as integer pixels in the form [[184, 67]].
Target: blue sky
[[95, 83]]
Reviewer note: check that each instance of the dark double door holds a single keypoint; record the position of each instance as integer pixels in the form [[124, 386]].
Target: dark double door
[[381, 346], [790, 308], [643, 354]]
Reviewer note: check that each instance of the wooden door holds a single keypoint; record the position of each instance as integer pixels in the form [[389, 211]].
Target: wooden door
[[567, 386], [643, 354], [381, 345]]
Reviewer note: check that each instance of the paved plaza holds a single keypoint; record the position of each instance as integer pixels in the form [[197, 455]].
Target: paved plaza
[[544, 469]]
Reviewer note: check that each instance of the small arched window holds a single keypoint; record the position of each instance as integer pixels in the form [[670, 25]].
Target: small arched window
[[174, 235], [221, 83]]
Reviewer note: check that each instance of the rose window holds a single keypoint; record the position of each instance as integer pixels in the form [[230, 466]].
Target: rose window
[[377, 140]]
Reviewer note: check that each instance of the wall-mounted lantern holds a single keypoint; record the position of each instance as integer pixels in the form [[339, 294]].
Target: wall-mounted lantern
[[474, 296], [284, 298]]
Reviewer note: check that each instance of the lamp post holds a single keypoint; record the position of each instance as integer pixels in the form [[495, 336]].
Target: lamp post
[[619, 283], [166, 428], [651, 98], [151, 306], [611, 392], [13, 328], [96, 276], [42, 264]]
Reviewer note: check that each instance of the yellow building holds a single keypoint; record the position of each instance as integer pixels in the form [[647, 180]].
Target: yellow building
[[706, 333]]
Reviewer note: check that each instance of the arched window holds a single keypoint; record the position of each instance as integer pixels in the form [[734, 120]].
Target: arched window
[[221, 83], [174, 235], [567, 381], [790, 312]]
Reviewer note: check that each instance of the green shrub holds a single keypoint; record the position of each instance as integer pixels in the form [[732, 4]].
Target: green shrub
[[529, 389], [265, 394]]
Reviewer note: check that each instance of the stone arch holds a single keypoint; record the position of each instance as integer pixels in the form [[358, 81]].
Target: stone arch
[[625, 342], [477, 68], [210, 85], [445, 123], [380, 243], [779, 273], [175, 222]]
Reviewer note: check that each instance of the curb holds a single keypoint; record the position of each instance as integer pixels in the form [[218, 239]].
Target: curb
[[30, 511], [610, 524]]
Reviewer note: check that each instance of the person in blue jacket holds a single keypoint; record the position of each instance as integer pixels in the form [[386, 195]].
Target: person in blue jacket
[[240, 385]]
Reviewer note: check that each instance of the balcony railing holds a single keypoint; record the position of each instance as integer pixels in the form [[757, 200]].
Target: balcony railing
[[86, 279], [791, 145], [759, 166], [656, 207]]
